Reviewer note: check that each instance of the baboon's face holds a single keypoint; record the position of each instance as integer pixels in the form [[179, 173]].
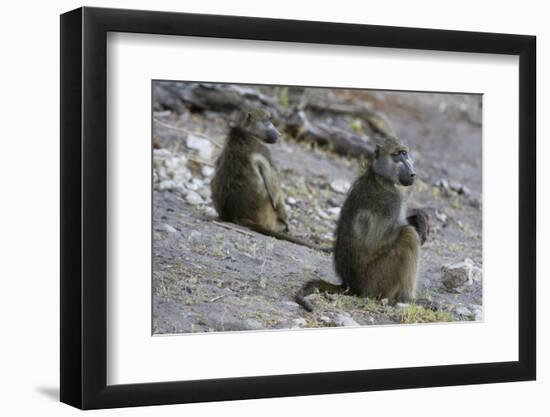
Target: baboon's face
[[258, 123], [395, 164]]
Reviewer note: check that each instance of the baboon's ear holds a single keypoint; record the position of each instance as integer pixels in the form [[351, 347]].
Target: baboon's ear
[[377, 151]]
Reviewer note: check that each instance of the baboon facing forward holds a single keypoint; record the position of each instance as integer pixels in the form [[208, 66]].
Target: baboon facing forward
[[377, 248]]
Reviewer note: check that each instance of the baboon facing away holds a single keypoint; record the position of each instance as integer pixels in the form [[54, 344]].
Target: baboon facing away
[[245, 187], [377, 246]]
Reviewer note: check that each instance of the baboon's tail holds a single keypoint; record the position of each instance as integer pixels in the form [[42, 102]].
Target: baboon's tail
[[285, 236], [309, 288]]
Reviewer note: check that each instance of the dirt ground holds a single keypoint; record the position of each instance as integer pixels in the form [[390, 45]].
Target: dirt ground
[[210, 276]]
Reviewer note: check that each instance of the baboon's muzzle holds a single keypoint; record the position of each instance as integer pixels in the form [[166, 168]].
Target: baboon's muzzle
[[406, 172], [272, 135]]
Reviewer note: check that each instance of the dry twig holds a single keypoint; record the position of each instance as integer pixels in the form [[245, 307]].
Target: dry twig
[[179, 129], [234, 227]]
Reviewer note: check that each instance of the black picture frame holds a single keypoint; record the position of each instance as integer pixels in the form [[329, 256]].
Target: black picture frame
[[84, 207]]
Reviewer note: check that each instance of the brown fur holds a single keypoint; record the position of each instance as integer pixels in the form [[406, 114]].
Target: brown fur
[[377, 251], [245, 187]]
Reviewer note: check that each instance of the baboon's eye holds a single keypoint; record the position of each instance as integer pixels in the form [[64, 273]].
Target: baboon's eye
[[403, 152]]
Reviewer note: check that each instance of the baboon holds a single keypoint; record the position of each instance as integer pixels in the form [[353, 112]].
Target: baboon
[[377, 247], [245, 187]]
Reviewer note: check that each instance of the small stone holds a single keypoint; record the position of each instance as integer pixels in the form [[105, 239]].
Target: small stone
[[211, 211], [202, 145], [207, 171], [477, 311], [477, 274], [322, 214], [195, 184], [442, 183], [291, 201], [253, 324], [462, 311], [298, 323], [464, 191], [401, 306], [475, 202], [325, 319], [169, 229], [194, 198], [161, 153], [344, 320], [205, 193], [340, 186], [291, 304], [455, 186], [334, 211], [442, 217], [194, 234], [460, 275]]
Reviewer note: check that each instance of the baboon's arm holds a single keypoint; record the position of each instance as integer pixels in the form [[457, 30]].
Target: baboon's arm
[[270, 180], [422, 222]]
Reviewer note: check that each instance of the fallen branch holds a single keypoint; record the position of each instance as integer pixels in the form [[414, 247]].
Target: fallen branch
[[341, 141], [219, 297]]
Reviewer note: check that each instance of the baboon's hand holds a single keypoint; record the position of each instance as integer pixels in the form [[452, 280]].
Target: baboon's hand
[[422, 222]]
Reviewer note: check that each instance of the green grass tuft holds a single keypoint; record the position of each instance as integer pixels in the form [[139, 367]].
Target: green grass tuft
[[418, 314]]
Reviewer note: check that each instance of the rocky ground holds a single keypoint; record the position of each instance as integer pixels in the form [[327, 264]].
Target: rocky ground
[[212, 276]]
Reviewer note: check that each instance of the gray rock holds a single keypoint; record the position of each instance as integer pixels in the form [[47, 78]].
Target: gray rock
[[477, 311], [210, 211], [205, 193], [195, 184], [477, 274], [463, 312], [458, 276], [334, 211], [322, 214], [253, 324], [442, 217], [455, 186], [202, 145], [340, 186], [343, 319], [169, 229], [292, 304], [207, 171], [299, 323], [475, 202], [442, 183], [193, 198], [325, 319], [401, 306], [170, 172], [291, 201], [194, 235], [465, 191]]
